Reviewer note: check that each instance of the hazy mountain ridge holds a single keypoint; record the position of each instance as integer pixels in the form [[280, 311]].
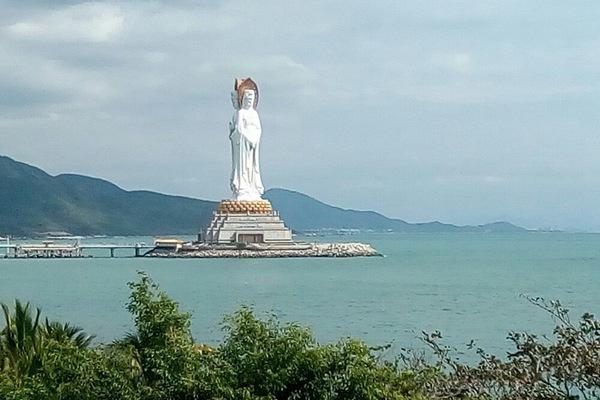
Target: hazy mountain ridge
[[300, 211], [32, 201]]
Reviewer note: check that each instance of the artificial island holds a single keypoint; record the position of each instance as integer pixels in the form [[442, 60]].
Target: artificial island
[[246, 225]]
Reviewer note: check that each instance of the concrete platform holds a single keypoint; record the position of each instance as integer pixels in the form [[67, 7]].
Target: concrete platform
[[226, 228]]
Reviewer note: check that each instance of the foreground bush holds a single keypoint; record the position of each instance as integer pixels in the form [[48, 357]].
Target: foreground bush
[[567, 367], [257, 360], [269, 360]]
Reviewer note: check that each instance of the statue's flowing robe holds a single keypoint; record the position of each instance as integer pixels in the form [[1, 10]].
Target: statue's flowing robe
[[246, 183]]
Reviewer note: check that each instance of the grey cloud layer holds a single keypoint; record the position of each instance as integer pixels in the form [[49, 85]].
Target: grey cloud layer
[[460, 111]]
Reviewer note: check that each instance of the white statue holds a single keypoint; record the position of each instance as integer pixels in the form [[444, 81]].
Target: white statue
[[244, 133]]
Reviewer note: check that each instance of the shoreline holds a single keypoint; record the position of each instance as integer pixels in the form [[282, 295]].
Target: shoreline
[[337, 250]]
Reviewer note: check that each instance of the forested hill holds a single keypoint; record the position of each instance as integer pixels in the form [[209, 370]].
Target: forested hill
[[33, 202]]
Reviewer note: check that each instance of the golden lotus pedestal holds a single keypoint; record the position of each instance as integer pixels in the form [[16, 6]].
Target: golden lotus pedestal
[[245, 222], [245, 207]]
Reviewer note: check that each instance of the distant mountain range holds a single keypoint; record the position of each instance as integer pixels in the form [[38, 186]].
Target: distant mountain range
[[304, 213], [33, 202]]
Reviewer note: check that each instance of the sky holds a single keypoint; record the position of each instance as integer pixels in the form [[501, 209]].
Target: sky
[[465, 112]]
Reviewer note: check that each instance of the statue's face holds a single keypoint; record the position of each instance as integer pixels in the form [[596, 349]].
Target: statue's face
[[248, 99]]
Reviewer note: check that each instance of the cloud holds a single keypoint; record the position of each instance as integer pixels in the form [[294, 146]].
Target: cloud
[[31, 81], [426, 106], [87, 22], [460, 62]]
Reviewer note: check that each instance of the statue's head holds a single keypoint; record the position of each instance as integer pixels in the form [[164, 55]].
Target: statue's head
[[243, 85], [234, 100], [248, 99]]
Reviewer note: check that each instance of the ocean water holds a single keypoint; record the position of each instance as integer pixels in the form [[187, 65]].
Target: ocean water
[[468, 286]]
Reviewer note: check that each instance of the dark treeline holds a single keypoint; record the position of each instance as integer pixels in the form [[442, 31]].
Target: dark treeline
[[266, 359]]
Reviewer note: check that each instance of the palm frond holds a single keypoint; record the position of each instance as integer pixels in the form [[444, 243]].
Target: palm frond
[[67, 333]]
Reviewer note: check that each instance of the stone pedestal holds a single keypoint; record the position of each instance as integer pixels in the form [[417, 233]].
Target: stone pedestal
[[246, 222]]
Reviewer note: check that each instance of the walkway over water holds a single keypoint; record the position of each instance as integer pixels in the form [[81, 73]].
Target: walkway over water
[[51, 249]]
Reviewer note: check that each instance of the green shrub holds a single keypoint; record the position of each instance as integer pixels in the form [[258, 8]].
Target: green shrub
[[258, 359], [68, 372], [566, 368], [269, 360], [163, 344]]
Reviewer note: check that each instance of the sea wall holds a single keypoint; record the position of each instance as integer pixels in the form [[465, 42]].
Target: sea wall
[[310, 250]]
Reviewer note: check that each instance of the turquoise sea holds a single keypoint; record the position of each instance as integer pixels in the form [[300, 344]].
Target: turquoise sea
[[466, 285]]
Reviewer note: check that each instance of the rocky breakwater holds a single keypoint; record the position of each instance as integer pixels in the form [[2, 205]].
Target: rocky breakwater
[[270, 251]]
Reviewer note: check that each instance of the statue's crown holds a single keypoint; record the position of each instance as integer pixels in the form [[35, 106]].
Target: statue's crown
[[241, 84]]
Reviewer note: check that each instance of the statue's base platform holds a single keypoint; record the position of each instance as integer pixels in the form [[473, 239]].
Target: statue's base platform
[[246, 222], [252, 229]]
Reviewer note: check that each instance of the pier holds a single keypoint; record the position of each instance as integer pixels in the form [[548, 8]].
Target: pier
[[50, 249]]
